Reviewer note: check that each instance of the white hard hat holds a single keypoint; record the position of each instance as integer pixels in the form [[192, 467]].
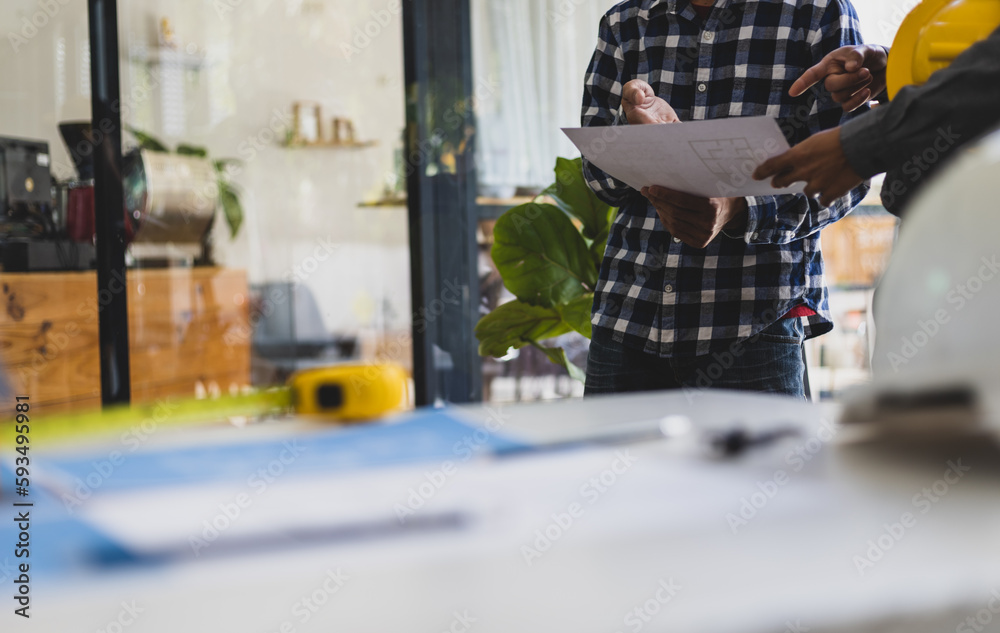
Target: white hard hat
[[937, 308]]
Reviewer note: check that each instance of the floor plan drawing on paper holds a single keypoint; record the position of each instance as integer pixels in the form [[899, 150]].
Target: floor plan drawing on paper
[[725, 156], [713, 158]]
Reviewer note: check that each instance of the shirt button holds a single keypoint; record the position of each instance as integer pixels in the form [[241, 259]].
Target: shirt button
[[702, 87], [677, 240], [668, 288], [709, 36]]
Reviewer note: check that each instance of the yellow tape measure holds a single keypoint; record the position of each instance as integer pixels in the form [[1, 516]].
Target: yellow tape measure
[[347, 393]]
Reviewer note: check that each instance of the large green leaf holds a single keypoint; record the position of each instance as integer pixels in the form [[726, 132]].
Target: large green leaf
[[541, 256], [557, 355], [577, 313], [574, 195], [516, 324]]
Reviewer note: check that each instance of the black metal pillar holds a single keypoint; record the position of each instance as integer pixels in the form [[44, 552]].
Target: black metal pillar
[[441, 188], [108, 201]]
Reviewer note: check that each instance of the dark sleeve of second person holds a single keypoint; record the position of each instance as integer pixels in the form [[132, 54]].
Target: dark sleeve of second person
[[912, 136]]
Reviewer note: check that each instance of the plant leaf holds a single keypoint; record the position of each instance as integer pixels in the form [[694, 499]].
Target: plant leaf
[[191, 150], [541, 256], [557, 355], [577, 313], [148, 141], [575, 197], [232, 208], [222, 164], [515, 324]]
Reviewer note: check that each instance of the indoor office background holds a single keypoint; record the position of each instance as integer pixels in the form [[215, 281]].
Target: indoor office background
[[309, 98]]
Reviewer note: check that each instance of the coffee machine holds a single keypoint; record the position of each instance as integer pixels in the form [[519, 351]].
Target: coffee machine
[[32, 228]]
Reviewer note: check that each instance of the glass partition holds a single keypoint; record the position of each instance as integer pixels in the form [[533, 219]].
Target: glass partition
[[261, 141], [265, 180], [48, 328], [530, 58]]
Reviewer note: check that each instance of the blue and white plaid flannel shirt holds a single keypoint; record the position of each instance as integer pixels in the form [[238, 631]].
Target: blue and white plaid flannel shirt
[[662, 296]]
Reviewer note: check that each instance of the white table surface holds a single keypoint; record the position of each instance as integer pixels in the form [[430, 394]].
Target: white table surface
[[792, 567]]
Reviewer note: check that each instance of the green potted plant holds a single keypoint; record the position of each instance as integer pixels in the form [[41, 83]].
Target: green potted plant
[[549, 256], [229, 195]]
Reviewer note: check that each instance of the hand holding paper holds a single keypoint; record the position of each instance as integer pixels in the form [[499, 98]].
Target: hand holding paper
[[709, 159], [694, 220]]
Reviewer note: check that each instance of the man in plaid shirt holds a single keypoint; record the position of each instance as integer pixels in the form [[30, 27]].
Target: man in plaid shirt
[[702, 293]]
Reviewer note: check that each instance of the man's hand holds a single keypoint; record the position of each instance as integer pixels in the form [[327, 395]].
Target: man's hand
[[694, 220], [819, 161], [642, 106], [852, 74]]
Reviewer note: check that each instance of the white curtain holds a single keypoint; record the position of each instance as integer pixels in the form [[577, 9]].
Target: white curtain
[[529, 58]]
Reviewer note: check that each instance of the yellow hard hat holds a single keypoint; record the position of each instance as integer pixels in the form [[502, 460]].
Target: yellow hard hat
[[934, 34]]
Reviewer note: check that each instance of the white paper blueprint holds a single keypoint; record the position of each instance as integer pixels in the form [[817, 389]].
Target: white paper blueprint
[[713, 159]]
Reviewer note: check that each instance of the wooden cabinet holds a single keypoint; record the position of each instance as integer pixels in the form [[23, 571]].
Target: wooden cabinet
[[856, 249], [188, 331]]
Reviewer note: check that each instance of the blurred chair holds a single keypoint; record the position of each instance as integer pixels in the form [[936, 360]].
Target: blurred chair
[[289, 333]]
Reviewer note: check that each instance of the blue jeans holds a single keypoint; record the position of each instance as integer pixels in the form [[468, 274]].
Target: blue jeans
[[771, 361]]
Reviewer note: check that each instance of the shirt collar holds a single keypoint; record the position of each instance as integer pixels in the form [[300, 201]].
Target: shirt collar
[[677, 7]]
